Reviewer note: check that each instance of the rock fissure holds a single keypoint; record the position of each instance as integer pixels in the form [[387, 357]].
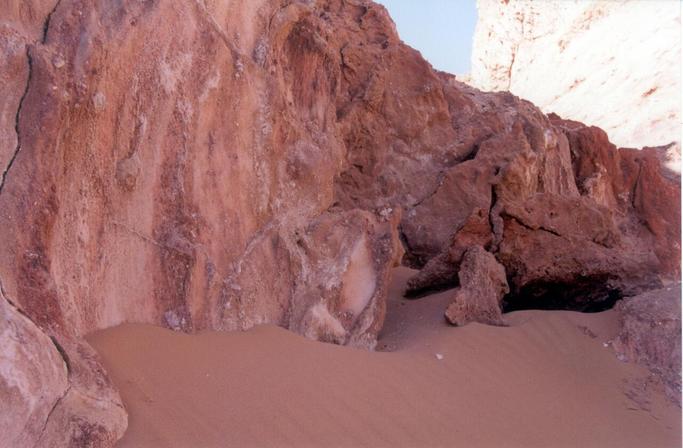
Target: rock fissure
[[49, 415], [634, 190], [495, 221], [521, 222], [11, 303], [12, 159], [513, 55], [46, 24], [52, 339], [439, 181], [62, 353]]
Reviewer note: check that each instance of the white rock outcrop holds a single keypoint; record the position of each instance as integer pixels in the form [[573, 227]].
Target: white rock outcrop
[[613, 64]]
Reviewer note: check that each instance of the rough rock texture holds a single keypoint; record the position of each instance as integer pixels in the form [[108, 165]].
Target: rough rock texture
[[615, 64], [169, 190], [482, 287], [576, 222], [257, 162], [629, 181], [54, 393], [651, 335], [33, 378]]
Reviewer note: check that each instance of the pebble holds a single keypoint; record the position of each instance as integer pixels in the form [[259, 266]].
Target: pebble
[[58, 62]]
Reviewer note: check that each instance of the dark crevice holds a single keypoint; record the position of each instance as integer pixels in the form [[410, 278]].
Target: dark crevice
[[439, 181], [342, 59], [58, 346], [410, 259], [584, 294], [436, 288], [634, 192], [494, 200], [526, 226], [46, 25], [441, 175], [404, 239], [471, 155], [4, 295], [16, 120], [495, 221], [62, 353]]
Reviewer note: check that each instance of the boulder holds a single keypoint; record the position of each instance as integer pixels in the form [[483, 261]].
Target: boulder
[[482, 287], [33, 378], [90, 412], [650, 335], [54, 390]]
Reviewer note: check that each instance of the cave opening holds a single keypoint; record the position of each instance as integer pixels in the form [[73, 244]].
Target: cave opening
[[584, 294]]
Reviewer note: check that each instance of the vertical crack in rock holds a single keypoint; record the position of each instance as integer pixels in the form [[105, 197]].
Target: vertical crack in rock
[[62, 353], [636, 185], [514, 51], [495, 220], [46, 25], [512, 62], [43, 39], [12, 304], [58, 347], [49, 414], [16, 120]]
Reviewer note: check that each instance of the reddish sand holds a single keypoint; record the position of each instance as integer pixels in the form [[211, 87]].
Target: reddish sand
[[545, 381]]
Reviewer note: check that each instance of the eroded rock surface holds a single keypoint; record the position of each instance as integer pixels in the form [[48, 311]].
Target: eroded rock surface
[[650, 335], [576, 222], [33, 378], [54, 390], [613, 64], [482, 287], [257, 162]]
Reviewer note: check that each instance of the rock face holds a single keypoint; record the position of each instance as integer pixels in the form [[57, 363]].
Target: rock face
[[575, 221], [482, 287], [651, 335], [613, 64], [33, 378], [258, 162]]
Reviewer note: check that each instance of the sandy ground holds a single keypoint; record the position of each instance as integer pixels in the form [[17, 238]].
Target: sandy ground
[[546, 381]]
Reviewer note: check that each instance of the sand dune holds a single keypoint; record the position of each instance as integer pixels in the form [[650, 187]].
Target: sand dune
[[545, 381]]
